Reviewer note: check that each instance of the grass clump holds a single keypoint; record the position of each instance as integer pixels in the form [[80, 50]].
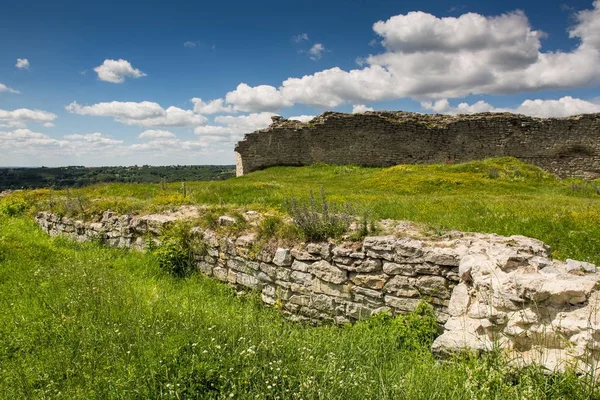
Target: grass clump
[[178, 245], [320, 219]]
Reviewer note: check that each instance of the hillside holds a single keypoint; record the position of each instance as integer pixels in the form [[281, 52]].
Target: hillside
[[503, 196], [83, 321]]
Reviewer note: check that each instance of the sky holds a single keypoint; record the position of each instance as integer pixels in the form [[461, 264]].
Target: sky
[[175, 83]]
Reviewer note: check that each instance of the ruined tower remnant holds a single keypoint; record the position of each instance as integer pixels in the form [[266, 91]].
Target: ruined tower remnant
[[563, 146]]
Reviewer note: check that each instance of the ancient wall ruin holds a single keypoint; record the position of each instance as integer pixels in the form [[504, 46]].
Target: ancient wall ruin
[[563, 146], [488, 291]]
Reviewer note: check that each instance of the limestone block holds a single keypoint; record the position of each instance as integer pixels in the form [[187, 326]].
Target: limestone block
[[369, 265], [401, 286], [301, 278], [205, 268], [401, 303], [300, 266], [329, 273], [573, 265], [323, 302], [320, 286], [248, 281], [436, 286], [304, 255], [459, 301], [283, 257], [371, 281], [399, 269]]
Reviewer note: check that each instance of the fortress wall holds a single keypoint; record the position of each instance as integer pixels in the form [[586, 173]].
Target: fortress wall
[[563, 146]]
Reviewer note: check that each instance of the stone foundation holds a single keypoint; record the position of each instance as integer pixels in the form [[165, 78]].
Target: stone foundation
[[487, 290]]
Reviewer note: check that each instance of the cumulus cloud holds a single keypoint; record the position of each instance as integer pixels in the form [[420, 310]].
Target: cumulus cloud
[[212, 107], [360, 108], [427, 58], [27, 115], [167, 145], [13, 124], [256, 99], [302, 118], [96, 138], [189, 44], [300, 37], [115, 71], [49, 125], [563, 107], [156, 134], [22, 63], [316, 51], [4, 88], [145, 113], [236, 125]]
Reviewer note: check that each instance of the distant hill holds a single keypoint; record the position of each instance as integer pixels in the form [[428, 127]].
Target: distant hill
[[77, 176]]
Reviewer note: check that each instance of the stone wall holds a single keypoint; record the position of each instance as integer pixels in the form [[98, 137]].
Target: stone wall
[[563, 146], [487, 290]]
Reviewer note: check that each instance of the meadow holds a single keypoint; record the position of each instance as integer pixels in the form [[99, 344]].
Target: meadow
[[80, 321]]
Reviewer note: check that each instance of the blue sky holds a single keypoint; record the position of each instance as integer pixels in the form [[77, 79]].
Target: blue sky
[[123, 83]]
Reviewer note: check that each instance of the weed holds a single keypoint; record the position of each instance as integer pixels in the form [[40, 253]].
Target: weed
[[320, 220]]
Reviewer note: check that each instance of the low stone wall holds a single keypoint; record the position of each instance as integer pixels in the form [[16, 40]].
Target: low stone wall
[[487, 290]]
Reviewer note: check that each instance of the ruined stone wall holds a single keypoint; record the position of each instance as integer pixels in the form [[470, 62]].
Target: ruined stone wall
[[563, 146], [488, 291]]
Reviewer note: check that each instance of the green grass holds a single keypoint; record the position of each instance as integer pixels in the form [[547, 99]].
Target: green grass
[[503, 196], [78, 321]]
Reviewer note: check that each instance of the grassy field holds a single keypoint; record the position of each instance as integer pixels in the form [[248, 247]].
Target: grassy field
[[78, 321], [501, 196]]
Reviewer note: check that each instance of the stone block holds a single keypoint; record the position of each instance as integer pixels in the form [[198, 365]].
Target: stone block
[[329, 273], [283, 257]]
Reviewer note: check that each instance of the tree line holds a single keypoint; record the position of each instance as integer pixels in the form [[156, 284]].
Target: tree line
[[77, 176]]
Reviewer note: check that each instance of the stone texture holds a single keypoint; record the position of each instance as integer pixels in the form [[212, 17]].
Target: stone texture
[[563, 146]]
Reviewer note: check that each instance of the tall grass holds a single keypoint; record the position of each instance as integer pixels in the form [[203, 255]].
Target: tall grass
[[78, 321]]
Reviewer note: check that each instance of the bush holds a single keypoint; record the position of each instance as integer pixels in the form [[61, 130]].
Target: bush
[[13, 207], [179, 245], [320, 220]]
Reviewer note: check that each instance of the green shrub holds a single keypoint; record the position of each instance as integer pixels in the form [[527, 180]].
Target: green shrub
[[320, 220], [13, 207], [178, 246]]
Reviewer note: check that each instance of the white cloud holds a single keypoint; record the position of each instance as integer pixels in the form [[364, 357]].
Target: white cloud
[[13, 124], [49, 125], [563, 107], [212, 107], [256, 99], [300, 38], [25, 114], [360, 108], [4, 88], [156, 134], [96, 138], [166, 145], [316, 51], [302, 118], [115, 71], [426, 58], [20, 134], [145, 113], [189, 44], [230, 125], [22, 63]]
